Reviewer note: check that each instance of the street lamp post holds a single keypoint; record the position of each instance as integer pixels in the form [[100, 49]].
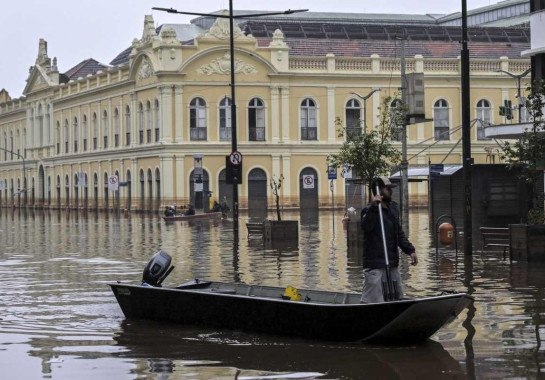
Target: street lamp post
[[231, 18], [364, 98], [517, 78]]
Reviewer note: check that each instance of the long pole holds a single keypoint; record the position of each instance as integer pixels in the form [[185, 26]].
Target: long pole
[[233, 111], [388, 291], [404, 163], [466, 142]]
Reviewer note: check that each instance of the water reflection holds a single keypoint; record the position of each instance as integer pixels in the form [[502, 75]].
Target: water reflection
[[280, 355], [55, 305]]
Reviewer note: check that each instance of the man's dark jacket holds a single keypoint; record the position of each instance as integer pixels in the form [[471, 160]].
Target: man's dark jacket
[[373, 250]]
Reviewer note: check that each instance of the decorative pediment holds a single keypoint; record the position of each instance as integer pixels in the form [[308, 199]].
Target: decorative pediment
[[37, 80], [146, 69], [220, 30], [222, 66]]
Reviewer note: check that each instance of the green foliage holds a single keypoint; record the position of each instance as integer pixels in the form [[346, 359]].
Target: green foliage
[[528, 153], [370, 153]]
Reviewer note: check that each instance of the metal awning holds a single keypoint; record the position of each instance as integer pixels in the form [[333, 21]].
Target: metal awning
[[421, 173]]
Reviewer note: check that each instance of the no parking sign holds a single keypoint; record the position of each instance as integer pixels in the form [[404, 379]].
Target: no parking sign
[[308, 181]]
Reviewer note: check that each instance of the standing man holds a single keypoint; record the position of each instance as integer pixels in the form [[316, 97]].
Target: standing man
[[374, 263]]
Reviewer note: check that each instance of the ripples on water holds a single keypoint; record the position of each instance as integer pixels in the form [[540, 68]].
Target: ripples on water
[[58, 318]]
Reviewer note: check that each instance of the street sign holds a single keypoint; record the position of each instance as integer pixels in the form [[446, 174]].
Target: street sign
[[235, 158], [308, 181], [331, 172], [347, 172], [113, 183], [233, 173]]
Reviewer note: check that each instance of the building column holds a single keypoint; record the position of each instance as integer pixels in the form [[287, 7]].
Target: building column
[[275, 111], [167, 127], [178, 127], [167, 179], [285, 95], [179, 171], [285, 161], [134, 119], [331, 130]]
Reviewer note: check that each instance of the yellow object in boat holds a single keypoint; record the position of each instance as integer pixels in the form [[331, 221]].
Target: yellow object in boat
[[292, 294]]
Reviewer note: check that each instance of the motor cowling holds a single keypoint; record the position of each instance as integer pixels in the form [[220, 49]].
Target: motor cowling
[[446, 233], [157, 269]]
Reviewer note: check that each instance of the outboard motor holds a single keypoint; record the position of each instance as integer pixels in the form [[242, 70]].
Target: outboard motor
[[157, 269]]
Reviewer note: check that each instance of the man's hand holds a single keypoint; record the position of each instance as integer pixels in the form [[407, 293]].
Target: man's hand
[[414, 258], [377, 199]]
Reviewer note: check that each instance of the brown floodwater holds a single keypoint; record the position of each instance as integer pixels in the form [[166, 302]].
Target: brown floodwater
[[59, 319]]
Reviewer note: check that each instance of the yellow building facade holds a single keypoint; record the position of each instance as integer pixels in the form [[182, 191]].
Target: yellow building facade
[[145, 120]]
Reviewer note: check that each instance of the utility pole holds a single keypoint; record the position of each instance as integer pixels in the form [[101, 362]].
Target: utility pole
[[517, 78], [466, 136], [404, 162]]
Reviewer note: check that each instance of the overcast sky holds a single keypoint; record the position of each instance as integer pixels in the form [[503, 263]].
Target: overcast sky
[[100, 29]]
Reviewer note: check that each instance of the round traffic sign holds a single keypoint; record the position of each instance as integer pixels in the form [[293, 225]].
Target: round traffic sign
[[235, 158]]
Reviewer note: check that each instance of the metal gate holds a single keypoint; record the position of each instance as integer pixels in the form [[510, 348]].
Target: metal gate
[[257, 194], [199, 199]]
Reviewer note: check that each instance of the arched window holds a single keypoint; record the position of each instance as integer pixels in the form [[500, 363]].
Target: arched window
[[148, 122], [142, 188], [75, 137], [117, 127], [57, 137], [395, 122], [6, 145], [157, 121], [353, 118], [225, 119], [157, 189], [67, 190], [441, 120], [66, 131], [256, 120], [140, 123], [483, 117], [150, 190], [106, 192], [105, 128], [84, 132], [309, 130], [127, 125], [197, 120], [95, 131]]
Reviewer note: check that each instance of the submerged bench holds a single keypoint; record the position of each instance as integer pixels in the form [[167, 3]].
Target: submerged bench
[[495, 237], [255, 228]]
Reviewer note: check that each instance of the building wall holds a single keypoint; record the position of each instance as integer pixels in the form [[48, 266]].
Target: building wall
[[163, 72]]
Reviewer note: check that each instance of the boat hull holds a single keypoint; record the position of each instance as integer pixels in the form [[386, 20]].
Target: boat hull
[[404, 321]]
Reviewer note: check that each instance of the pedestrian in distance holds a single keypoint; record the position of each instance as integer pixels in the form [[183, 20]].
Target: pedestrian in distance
[[377, 271], [190, 210], [216, 207]]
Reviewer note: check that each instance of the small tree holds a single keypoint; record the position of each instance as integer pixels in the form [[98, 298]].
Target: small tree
[[370, 153], [276, 184], [528, 153]]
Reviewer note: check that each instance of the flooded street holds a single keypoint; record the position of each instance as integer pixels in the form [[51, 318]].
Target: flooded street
[[60, 320]]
